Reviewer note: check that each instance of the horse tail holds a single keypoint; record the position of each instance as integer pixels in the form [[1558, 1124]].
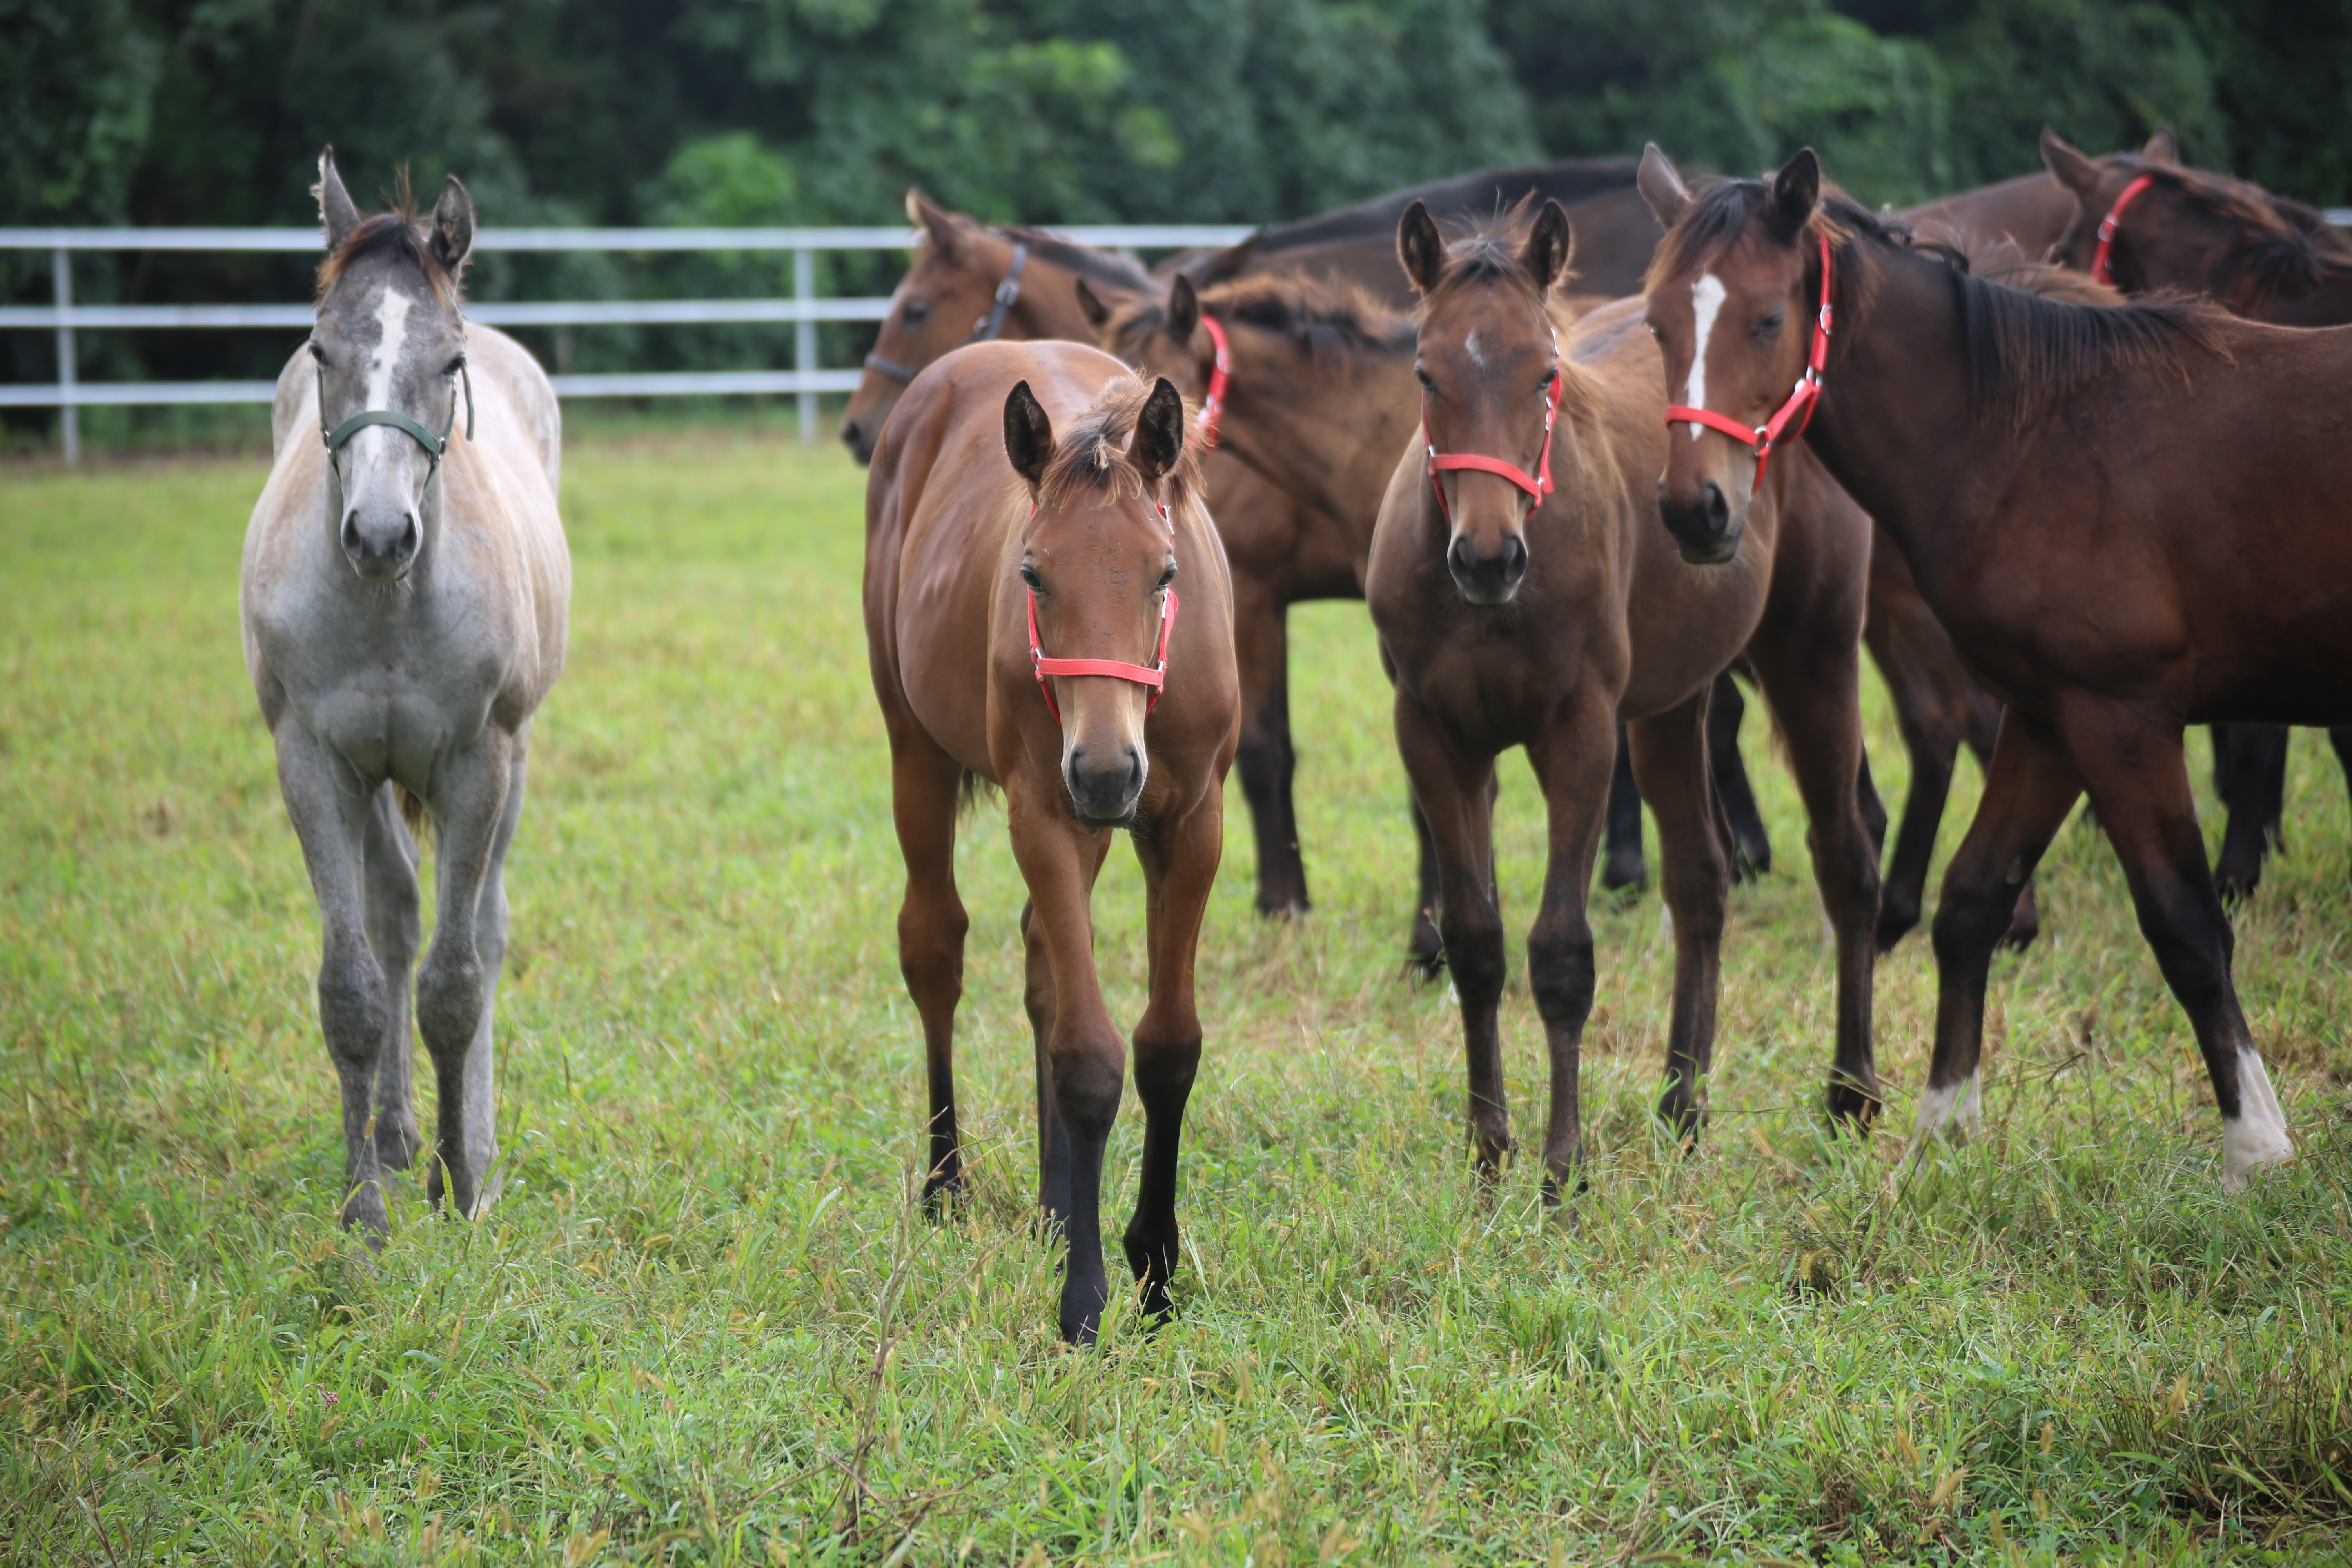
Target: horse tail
[[970, 787], [412, 812]]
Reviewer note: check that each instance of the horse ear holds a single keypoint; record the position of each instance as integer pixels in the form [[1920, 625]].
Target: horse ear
[[1183, 310], [1091, 307], [453, 225], [2163, 146], [1796, 193], [1661, 184], [934, 220], [1028, 434], [1159, 432], [2071, 167], [1230, 262], [338, 214], [1550, 245], [1421, 249]]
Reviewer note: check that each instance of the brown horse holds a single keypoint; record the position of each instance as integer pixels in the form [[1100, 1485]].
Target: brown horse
[[2262, 257], [2130, 517], [1525, 596], [1023, 627]]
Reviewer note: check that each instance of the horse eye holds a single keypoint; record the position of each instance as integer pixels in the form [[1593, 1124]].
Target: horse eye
[[915, 311], [1029, 575], [317, 353], [1770, 323], [1166, 578], [455, 365], [1422, 376]]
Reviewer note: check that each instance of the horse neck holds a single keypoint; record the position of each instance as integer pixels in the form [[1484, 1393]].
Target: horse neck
[[2327, 302], [1328, 432], [1048, 305], [1895, 425]]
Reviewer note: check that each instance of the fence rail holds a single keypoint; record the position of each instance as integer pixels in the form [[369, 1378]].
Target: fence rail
[[803, 310]]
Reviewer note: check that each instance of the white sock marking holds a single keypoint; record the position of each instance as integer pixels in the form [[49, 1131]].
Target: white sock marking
[[1706, 299], [1959, 1106], [2257, 1136]]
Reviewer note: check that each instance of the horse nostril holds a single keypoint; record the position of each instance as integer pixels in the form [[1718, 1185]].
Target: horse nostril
[[1515, 558], [409, 538], [849, 433], [352, 531], [1460, 560], [1718, 511]]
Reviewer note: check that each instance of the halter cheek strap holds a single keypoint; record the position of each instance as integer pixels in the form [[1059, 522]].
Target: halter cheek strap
[[1798, 411], [1538, 484], [1221, 374], [986, 330], [1153, 675], [2101, 272]]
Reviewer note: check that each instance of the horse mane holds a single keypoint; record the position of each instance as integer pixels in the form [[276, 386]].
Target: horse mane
[[396, 233], [1091, 457], [1319, 315], [2029, 341], [1101, 265]]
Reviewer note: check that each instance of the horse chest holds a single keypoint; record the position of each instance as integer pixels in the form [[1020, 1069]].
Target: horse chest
[[390, 690]]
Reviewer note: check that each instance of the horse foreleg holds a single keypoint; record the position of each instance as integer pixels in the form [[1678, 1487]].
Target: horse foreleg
[[1179, 867], [1455, 793], [1086, 1059], [2139, 781], [1038, 1001], [1569, 759], [924, 782], [476, 799], [2029, 788], [1694, 876], [330, 807], [394, 932]]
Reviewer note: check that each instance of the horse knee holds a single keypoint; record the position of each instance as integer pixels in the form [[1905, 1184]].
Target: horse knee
[[930, 948], [1474, 952], [1088, 1084], [1974, 913], [354, 1004], [1561, 975], [449, 997]]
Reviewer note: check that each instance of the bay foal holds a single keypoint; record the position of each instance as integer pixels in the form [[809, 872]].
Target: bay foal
[[1023, 589], [1526, 595], [2131, 517], [403, 598]]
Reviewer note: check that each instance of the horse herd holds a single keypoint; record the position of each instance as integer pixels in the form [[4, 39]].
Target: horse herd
[[1610, 441]]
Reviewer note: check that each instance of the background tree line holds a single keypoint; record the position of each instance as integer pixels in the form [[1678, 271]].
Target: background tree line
[[670, 111]]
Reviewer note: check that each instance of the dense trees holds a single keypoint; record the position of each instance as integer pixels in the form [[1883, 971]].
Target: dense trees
[[175, 112]]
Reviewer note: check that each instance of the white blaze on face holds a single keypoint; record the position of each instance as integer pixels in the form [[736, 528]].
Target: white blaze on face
[[1706, 299], [392, 315], [1470, 347]]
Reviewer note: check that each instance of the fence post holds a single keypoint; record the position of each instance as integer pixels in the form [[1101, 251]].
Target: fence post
[[69, 413], [804, 338]]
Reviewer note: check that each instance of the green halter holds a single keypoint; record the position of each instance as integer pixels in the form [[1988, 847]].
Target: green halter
[[435, 446]]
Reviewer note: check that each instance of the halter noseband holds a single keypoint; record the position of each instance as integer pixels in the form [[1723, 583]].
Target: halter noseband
[[1798, 410], [1153, 675], [1538, 484], [2100, 270], [436, 447], [983, 331]]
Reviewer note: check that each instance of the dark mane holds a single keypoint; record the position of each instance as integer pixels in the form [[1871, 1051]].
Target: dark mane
[[396, 233], [2027, 346], [1091, 455], [1101, 265], [1317, 315], [1566, 182]]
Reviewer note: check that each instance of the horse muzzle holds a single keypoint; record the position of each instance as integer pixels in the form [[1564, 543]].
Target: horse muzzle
[[1704, 528], [381, 547], [1488, 577], [1106, 782]]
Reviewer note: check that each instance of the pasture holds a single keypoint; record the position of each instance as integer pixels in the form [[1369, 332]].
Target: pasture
[[704, 1324]]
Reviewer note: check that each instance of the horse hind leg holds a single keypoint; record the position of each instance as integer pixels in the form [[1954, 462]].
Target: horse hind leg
[[1265, 757], [1623, 865], [1751, 846], [925, 785], [394, 932], [1695, 875], [2249, 772]]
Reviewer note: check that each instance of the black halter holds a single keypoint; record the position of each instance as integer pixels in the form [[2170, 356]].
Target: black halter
[[983, 331]]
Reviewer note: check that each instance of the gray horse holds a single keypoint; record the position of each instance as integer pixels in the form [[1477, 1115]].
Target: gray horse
[[404, 595]]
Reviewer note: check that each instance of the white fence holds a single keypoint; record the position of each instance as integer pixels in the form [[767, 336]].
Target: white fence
[[805, 310]]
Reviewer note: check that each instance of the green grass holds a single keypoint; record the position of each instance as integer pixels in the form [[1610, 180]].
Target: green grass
[[705, 1326]]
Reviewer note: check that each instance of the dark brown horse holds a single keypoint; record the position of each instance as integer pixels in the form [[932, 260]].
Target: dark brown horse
[[1525, 596], [2266, 258], [2130, 517], [1021, 622]]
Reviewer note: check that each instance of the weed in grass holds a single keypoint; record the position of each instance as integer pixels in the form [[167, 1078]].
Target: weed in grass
[[706, 1325]]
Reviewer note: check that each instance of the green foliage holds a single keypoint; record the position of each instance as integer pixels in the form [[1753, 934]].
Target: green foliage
[[661, 1347], [77, 81]]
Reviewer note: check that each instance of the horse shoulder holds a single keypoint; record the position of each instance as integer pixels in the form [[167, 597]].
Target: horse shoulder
[[295, 405]]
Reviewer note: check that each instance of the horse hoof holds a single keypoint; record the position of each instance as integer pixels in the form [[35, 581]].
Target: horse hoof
[[1851, 1109], [1625, 873], [1284, 908], [396, 1144], [942, 1196]]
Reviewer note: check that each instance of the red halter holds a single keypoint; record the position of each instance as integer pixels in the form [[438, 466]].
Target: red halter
[[2100, 271], [1538, 484], [1798, 410], [1153, 675], [1220, 371]]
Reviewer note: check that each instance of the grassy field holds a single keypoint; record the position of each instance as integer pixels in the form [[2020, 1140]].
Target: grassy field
[[706, 1326]]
